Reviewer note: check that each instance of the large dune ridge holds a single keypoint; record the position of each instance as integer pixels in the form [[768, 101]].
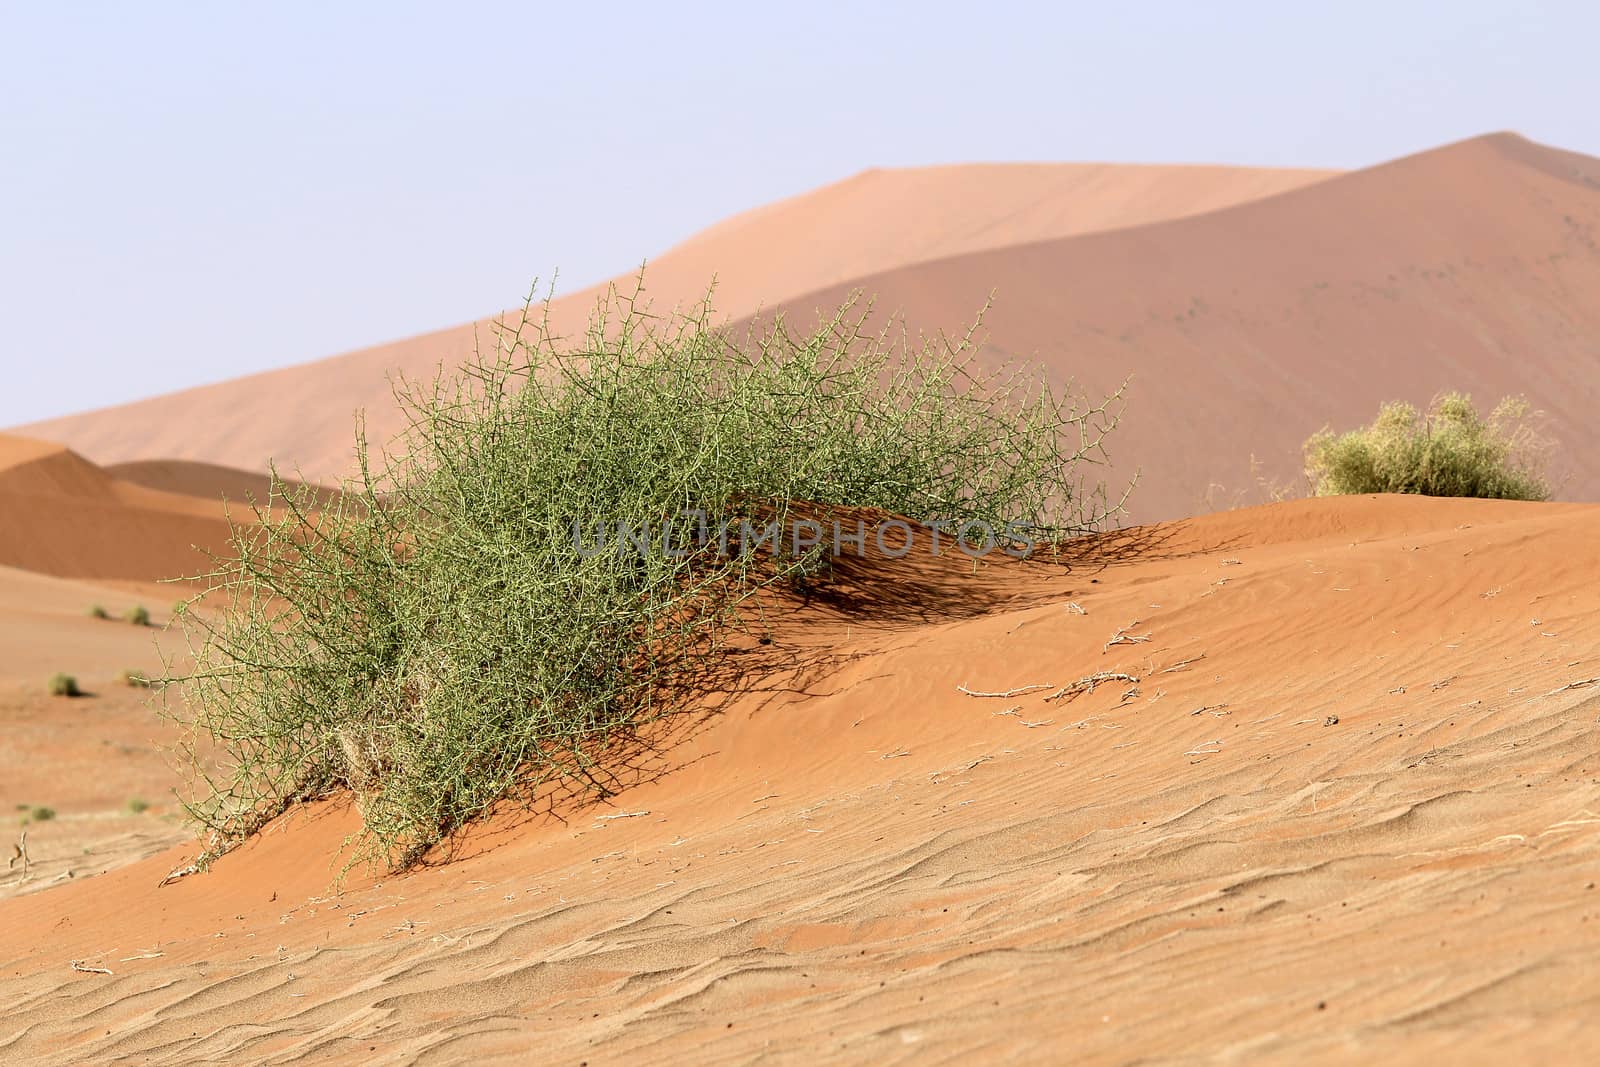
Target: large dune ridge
[[1244, 329], [1345, 807], [302, 416], [1471, 267]]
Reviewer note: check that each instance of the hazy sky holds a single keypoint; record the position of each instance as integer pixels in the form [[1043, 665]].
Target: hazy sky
[[192, 192]]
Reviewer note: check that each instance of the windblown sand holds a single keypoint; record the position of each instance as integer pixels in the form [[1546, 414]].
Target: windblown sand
[[1349, 811]]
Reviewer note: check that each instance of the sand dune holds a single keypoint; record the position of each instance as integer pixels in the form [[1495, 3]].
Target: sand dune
[[1349, 811], [62, 515], [1475, 266], [875, 221]]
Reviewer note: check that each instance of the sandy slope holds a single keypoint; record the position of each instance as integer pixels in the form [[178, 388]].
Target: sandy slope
[[1350, 811], [87, 758], [875, 221]]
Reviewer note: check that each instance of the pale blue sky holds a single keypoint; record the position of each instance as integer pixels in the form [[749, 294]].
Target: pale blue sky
[[192, 192]]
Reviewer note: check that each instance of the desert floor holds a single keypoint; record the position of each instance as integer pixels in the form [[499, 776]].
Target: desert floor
[[1345, 806]]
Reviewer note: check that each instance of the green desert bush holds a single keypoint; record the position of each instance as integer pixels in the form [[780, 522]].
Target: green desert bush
[[97, 611], [138, 806], [1451, 450], [41, 814], [138, 615], [431, 638], [64, 685]]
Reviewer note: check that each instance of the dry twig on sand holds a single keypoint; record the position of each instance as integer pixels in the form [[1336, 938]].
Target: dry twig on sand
[[82, 968], [1125, 637], [19, 851], [1004, 693], [1208, 707], [1182, 664], [1584, 684], [624, 815], [181, 872], [1088, 683]]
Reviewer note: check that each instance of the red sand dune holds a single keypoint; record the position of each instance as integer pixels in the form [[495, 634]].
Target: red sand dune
[[62, 515], [1349, 811], [875, 221]]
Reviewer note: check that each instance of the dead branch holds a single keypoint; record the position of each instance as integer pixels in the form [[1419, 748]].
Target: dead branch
[[1006, 693], [1088, 683], [1124, 636]]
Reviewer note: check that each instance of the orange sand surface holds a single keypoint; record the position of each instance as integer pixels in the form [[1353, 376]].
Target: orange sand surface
[[1349, 810]]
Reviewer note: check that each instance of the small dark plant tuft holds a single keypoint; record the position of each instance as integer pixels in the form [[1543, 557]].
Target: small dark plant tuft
[[137, 615], [96, 611], [1452, 450], [41, 814], [136, 679], [64, 685], [138, 806]]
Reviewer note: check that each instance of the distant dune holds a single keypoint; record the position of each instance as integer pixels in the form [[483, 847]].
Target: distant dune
[[1249, 309], [876, 221], [1475, 266], [61, 515]]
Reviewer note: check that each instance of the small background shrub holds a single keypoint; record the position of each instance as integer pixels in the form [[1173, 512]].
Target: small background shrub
[[430, 638], [137, 615], [96, 611], [41, 814], [64, 685], [1452, 450], [137, 806], [136, 679]]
